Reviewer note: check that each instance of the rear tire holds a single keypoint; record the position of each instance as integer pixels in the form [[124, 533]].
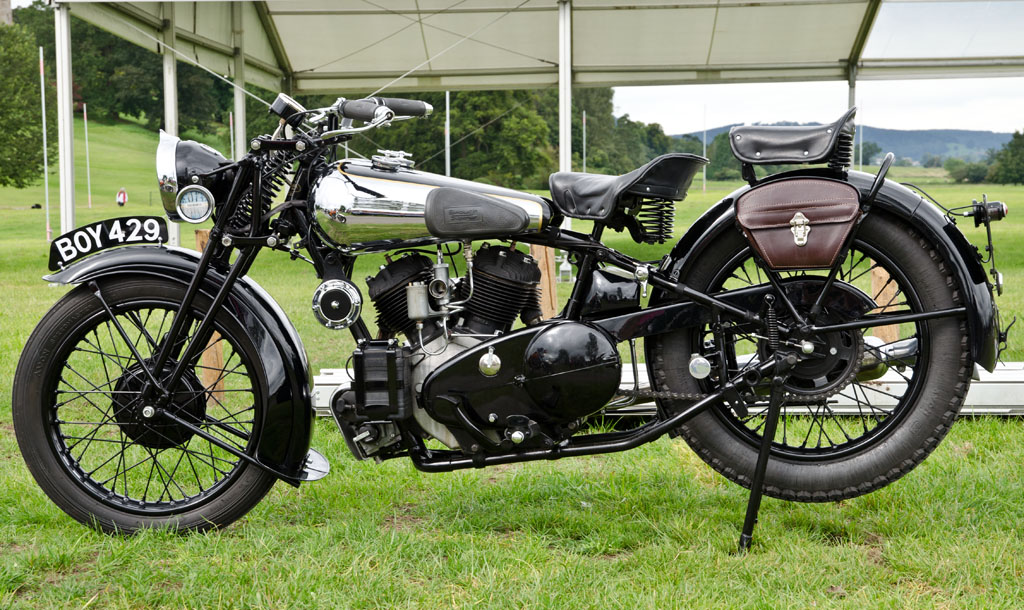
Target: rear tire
[[900, 440], [78, 422]]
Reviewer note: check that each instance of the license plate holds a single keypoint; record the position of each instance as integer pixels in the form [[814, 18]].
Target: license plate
[[104, 234]]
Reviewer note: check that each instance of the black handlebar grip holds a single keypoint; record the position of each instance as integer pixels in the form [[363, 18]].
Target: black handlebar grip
[[360, 110], [404, 107]]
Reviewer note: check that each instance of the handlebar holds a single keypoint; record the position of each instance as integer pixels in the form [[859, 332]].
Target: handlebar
[[363, 110], [374, 111], [404, 107]]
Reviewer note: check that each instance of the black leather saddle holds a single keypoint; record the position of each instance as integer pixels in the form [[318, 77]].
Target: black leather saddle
[[596, 197], [760, 144]]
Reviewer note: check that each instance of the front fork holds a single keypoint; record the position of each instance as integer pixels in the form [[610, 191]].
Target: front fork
[[174, 345]]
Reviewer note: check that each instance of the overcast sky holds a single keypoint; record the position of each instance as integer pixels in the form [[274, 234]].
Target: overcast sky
[[995, 104]]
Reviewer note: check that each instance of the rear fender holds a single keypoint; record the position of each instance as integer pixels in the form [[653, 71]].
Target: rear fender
[[962, 258], [288, 411]]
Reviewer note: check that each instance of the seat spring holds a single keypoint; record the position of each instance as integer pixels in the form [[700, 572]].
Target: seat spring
[[842, 154], [656, 218]]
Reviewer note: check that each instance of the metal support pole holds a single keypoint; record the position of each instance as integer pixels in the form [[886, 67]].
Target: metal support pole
[[565, 85], [241, 143], [447, 133], [46, 161], [65, 117], [170, 95]]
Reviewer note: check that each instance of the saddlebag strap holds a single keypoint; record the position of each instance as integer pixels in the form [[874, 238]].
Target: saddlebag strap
[[799, 223]]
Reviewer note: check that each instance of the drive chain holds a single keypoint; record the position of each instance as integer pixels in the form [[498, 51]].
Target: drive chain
[[662, 394]]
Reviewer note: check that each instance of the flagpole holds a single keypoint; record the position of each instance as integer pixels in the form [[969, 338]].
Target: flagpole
[[584, 141], [231, 130], [46, 164], [704, 168], [88, 174]]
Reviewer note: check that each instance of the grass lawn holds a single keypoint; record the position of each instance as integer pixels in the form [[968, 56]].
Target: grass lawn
[[650, 528]]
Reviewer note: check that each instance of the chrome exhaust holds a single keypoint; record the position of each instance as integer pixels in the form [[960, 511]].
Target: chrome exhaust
[[879, 356]]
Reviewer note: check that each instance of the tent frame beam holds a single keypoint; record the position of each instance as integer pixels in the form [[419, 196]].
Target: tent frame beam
[[170, 94]]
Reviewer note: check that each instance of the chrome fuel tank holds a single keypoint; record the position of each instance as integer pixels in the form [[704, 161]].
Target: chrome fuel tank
[[358, 205]]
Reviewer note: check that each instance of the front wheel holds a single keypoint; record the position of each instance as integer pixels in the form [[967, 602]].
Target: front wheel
[[850, 425], [92, 442]]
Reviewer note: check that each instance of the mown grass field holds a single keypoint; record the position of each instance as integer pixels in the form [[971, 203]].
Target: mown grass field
[[651, 528]]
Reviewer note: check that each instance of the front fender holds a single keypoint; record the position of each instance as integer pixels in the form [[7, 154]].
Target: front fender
[[288, 415], [963, 259]]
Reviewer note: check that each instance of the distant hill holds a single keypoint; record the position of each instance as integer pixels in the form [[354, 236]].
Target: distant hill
[[962, 143]]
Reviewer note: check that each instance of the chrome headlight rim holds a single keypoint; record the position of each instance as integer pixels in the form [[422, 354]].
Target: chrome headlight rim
[[189, 189], [167, 172]]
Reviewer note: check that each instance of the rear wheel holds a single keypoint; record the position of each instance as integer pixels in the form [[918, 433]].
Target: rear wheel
[[94, 444], [850, 424]]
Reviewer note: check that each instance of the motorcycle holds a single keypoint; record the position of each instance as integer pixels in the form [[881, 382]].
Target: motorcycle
[[167, 389]]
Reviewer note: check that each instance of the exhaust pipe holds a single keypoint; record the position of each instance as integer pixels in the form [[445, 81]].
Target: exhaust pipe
[[879, 356]]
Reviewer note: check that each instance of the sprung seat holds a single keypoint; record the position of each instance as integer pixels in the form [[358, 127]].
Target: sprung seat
[[597, 197], [761, 144]]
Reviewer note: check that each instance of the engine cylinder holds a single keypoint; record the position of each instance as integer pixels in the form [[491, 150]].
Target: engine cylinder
[[387, 291], [505, 284]]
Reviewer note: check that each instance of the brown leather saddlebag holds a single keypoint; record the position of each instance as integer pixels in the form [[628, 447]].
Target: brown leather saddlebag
[[800, 223]]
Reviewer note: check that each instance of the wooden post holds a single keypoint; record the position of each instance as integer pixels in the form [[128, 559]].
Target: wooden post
[[548, 294], [213, 357], [883, 289]]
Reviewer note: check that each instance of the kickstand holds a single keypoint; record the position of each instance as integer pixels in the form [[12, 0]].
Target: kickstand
[[770, 425]]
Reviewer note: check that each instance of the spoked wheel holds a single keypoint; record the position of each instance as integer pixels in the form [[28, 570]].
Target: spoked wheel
[[102, 450], [866, 405]]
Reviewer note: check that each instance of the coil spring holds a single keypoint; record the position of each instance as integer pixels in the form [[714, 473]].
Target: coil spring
[[842, 154], [656, 218], [271, 183], [773, 323]]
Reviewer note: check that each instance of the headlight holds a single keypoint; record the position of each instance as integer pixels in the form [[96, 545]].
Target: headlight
[[194, 204], [166, 171], [188, 165]]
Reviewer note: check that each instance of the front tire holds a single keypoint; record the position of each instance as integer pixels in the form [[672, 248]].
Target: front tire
[[82, 430], [895, 438]]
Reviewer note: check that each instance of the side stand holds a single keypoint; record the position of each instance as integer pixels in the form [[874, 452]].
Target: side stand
[[770, 425]]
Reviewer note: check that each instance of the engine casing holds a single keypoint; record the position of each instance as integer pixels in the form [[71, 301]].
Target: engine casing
[[551, 374]]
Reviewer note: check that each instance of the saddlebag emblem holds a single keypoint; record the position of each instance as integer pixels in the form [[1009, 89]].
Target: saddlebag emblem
[[801, 228]]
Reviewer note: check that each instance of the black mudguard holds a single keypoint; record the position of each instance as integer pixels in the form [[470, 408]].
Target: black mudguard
[[963, 258], [285, 441]]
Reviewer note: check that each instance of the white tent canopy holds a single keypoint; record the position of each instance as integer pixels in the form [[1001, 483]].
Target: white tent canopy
[[359, 46]]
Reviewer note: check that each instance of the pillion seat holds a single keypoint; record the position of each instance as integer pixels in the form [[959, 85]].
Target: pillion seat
[[761, 144], [596, 197]]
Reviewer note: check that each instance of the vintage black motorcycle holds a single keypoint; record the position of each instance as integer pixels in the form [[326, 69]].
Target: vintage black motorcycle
[[169, 390]]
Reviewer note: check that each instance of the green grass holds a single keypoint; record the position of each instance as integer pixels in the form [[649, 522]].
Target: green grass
[[650, 528]]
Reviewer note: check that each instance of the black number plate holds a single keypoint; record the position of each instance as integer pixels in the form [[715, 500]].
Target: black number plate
[[104, 234]]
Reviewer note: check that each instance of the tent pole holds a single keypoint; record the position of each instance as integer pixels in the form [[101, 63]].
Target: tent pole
[[237, 32], [565, 85], [65, 117], [447, 134], [170, 96], [545, 257]]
